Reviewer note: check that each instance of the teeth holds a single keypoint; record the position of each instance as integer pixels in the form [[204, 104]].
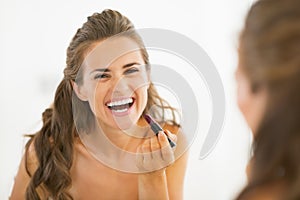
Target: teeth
[[120, 103], [122, 110]]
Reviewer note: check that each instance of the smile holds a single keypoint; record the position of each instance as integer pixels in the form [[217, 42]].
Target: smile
[[120, 106]]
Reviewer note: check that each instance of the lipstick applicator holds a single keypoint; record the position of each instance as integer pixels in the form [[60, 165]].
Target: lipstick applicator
[[156, 128]]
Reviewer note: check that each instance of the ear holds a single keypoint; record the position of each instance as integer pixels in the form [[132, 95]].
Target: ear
[[79, 92]]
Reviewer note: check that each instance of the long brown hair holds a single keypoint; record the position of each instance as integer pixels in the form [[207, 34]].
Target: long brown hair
[[54, 142], [270, 58]]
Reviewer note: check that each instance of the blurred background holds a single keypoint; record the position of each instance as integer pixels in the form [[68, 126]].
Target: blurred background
[[34, 36]]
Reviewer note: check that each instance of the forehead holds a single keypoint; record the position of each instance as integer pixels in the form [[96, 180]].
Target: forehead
[[112, 50]]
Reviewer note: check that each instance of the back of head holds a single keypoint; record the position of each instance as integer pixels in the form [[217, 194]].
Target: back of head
[[270, 59]]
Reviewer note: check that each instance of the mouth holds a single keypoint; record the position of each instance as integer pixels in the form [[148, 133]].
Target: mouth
[[121, 105]]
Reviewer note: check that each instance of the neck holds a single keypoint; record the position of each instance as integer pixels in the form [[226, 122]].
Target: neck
[[128, 139]]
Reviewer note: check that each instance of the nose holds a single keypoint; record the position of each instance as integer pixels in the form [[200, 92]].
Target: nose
[[121, 86]]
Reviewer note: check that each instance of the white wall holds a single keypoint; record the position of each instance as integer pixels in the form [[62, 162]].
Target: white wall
[[34, 36]]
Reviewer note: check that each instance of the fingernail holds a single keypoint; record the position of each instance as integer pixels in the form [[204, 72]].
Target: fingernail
[[161, 135]]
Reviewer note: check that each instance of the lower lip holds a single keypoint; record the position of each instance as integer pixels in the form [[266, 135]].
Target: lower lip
[[121, 114]]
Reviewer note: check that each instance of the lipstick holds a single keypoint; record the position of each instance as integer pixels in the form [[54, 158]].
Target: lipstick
[[156, 128]]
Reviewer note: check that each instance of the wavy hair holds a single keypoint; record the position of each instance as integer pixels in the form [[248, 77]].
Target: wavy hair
[[270, 58], [54, 142]]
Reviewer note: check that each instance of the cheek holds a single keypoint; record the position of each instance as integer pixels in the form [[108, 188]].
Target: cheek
[[96, 98], [241, 99], [244, 98], [99, 94], [143, 95], [139, 85]]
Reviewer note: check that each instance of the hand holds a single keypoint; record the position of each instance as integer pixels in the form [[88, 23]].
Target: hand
[[155, 153]]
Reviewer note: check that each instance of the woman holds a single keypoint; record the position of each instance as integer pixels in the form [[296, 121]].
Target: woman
[[103, 95], [268, 78]]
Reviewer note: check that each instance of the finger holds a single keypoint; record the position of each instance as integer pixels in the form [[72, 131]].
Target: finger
[[163, 140], [146, 150], [139, 158], [168, 155], [155, 149], [171, 136], [172, 139], [146, 146], [166, 150], [154, 144]]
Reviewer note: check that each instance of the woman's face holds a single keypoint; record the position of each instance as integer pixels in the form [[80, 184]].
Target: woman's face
[[115, 83]]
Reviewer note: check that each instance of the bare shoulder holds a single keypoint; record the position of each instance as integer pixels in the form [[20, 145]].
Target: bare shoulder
[[274, 191], [261, 195], [31, 162], [22, 179], [172, 128], [27, 168]]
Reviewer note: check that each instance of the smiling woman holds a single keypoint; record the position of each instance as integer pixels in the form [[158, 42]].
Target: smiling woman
[[113, 83], [94, 138]]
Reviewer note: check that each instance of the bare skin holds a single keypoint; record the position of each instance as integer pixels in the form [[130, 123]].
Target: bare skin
[[93, 180]]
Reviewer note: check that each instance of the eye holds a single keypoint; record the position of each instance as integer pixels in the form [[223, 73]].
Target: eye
[[131, 70], [101, 76]]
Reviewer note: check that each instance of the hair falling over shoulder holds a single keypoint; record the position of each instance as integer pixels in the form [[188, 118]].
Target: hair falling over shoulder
[[53, 146]]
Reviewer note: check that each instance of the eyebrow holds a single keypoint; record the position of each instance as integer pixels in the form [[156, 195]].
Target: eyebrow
[[108, 70]]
